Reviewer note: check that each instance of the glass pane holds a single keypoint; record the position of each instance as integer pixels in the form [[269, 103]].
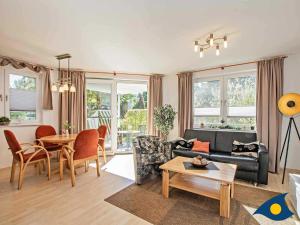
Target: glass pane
[[22, 82], [206, 102], [243, 123], [23, 115], [23, 98], [206, 121], [99, 107], [241, 95], [132, 113]]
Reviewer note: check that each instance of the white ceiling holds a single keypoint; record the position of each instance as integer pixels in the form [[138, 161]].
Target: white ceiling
[[146, 36]]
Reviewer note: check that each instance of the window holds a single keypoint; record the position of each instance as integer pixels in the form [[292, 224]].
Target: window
[[225, 102], [20, 96]]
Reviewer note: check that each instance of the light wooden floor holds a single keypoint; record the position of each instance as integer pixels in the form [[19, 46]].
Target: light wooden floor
[[55, 202]]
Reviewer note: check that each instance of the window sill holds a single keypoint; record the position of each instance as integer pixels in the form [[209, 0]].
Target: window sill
[[224, 129], [21, 125]]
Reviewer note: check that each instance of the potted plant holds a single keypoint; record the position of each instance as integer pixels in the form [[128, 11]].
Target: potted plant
[[4, 121], [164, 119]]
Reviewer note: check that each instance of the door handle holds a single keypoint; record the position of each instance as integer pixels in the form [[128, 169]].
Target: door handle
[[1, 98], [6, 97]]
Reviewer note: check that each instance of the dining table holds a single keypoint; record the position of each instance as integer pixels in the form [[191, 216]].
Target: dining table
[[61, 139]]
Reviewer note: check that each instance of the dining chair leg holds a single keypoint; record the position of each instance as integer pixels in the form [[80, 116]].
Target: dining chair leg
[[21, 173], [13, 171], [104, 154], [72, 167], [61, 168], [49, 168], [97, 167], [44, 164]]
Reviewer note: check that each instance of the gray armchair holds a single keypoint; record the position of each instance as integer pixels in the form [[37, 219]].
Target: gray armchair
[[149, 152]]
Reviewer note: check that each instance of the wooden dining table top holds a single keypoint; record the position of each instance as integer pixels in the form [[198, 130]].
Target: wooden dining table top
[[59, 138]]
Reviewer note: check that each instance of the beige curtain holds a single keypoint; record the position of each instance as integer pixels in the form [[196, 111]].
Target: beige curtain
[[268, 118], [154, 100], [72, 107], [44, 71], [185, 110]]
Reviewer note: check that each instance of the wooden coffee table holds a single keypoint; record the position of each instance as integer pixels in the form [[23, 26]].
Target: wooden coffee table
[[216, 184]]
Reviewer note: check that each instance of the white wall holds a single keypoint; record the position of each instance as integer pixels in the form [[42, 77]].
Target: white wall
[[291, 84], [27, 133]]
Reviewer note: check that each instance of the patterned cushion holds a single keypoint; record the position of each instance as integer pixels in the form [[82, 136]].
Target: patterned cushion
[[245, 147]]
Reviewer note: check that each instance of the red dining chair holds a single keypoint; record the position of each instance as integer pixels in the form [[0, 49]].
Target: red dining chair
[[43, 131], [85, 149], [102, 130], [24, 159]]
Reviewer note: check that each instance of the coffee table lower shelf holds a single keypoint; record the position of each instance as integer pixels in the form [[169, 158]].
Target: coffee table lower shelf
[[201, 186]]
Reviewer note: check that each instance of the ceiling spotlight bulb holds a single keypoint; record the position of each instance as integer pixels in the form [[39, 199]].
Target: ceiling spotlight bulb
[[196, 46], [217, 50], [211, 40], [54, 87], [225, 42], [72, 88], [61, 89], [201, 53]]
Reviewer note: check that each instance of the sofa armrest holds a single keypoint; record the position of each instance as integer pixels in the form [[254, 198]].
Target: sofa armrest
[[263, 161]]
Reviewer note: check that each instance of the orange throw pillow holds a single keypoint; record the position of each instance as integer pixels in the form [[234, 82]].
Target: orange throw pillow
[[201, 146]]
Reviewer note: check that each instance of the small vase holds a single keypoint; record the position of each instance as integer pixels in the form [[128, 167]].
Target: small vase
[[67, 132]]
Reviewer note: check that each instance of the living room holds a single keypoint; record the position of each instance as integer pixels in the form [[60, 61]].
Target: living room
[[170, 112]]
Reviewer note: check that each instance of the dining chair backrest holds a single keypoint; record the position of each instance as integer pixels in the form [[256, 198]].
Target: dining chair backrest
[[86, 144], [44, 130], [13, 143], [102, 130]]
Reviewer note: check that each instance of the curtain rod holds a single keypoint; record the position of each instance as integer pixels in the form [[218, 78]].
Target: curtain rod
[[230, 65], [113, 73]]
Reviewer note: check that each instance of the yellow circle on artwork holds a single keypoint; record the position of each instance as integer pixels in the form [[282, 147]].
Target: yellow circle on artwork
[[275, 209]]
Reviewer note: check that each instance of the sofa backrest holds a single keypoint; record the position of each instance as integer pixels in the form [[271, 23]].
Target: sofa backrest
[[202, 135], [221, 140], [224, 139]]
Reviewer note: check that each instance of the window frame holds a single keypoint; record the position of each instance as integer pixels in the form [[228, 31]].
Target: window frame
[[223, 79], [27, 73]]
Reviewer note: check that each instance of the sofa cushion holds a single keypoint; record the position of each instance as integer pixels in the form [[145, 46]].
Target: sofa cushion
[[224, 139], [201, 135], [200, 146], [242, 162]]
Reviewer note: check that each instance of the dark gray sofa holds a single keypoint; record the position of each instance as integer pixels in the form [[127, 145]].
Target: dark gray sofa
[[248, 168]]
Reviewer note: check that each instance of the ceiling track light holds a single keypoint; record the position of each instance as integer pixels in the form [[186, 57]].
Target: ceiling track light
[[211, 42]]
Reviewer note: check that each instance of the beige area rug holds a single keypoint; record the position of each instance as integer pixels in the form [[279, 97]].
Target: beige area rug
[[183, 208]]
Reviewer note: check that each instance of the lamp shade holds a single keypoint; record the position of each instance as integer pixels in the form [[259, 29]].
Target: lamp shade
[[289, 104]]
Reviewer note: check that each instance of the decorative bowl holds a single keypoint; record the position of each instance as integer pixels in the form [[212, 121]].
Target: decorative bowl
[[199, 162]]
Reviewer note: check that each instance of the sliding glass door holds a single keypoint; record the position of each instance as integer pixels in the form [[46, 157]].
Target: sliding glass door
[[99, 105], [132, 112], [121, 105]]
